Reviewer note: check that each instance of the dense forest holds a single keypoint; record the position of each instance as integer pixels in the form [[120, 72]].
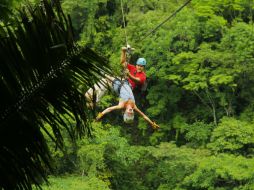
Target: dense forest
[[200, 76]]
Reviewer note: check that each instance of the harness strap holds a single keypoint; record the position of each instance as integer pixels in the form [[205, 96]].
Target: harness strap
[[121, 85]]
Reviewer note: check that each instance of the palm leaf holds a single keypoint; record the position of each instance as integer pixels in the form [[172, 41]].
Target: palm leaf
[[41, 71]]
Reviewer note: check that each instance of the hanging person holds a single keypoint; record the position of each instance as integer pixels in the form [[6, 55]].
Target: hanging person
[[126, 99]]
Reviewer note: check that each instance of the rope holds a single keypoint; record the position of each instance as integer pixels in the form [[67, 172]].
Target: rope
[[163, 22], [124, 76], [124, 25]]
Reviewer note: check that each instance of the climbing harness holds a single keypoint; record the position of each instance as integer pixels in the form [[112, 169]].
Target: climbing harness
[[122, 82]]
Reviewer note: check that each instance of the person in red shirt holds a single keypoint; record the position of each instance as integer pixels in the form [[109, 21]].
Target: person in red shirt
[[136, 74]]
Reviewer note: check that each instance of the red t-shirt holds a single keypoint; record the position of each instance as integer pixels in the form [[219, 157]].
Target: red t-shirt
[[140, 75]]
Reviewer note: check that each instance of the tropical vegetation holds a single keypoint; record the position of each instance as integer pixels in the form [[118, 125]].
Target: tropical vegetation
[[200, 75]]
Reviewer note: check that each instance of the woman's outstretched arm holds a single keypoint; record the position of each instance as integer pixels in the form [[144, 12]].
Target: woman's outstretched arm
[[107, 110], [152, 123]]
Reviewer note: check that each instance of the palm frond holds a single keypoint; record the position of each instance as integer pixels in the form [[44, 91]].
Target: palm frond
[[41, 71]]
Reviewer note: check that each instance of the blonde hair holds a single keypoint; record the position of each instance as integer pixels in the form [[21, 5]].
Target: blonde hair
[[128, 118]]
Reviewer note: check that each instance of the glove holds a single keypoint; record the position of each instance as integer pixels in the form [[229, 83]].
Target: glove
[[155, 126], [99, 116]]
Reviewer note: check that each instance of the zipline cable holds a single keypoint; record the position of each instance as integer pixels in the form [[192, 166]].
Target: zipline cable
[[167, 19], [128, 51], [124, 25]]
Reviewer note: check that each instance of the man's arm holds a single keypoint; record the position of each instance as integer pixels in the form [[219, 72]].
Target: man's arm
[[153, 124], [123, 56], [136, 79], [125, 64], [140, 78]]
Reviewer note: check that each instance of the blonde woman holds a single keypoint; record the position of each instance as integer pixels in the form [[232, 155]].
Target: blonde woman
[[126, 100]]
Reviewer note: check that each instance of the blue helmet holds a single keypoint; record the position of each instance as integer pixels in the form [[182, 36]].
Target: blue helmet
[[141, 61]]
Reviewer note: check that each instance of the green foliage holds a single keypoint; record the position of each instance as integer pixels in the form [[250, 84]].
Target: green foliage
[[229, 10], [41, 71], [247, 114], [200, 69], [224, 172], [173, 164], [198, 133], [6, 7], [233, 136], [239, 41], [159, 103], [91, 151], [63, 158], [75, 183]]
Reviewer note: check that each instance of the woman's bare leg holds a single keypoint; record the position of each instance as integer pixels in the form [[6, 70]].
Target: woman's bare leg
[[98, 90]]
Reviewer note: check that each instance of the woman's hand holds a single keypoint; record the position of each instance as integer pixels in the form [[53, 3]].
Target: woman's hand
[[155, 126], [99, 116]]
